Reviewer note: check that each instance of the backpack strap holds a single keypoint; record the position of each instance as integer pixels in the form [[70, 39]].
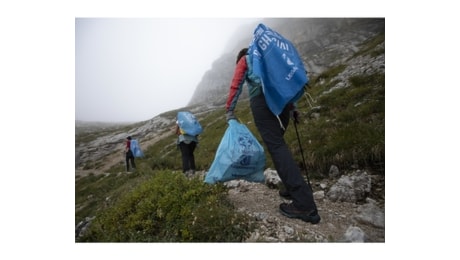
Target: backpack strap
[[281, 124]]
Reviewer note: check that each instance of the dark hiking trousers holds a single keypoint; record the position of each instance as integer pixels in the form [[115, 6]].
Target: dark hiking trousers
[[188, 159], [273, 136], [130, 158]]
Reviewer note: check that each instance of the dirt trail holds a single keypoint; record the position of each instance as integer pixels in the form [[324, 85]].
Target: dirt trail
[[261, 202]]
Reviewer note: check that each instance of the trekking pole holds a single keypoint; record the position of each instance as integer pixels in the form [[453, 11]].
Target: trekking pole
[[301, 152]]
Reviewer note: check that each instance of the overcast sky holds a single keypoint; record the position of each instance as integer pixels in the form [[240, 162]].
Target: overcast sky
[[132, 69]]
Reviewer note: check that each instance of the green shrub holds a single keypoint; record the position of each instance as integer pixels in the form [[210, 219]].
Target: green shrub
[[94, 193], [351, 128], [170, 208]]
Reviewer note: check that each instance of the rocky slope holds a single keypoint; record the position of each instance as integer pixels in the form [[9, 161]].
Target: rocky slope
[[351, 203], [351, 209], [322, 43]]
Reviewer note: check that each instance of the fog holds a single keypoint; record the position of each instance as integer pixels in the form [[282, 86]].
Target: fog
[[132, 69], [38, 93]]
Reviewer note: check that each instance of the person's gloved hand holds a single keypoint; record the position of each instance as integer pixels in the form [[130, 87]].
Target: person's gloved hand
[[230, 115], [295, 114]]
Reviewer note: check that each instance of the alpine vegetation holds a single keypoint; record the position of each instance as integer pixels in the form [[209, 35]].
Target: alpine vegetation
[[338, 143]]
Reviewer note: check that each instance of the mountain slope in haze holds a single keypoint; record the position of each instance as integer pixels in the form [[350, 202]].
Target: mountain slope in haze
[[350, 48], [322, 43], [342, 132]]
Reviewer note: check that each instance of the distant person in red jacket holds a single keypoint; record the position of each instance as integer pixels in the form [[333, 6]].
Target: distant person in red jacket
[[129, 155]]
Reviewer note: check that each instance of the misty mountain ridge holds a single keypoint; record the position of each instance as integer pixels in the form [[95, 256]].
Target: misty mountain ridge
[[322, 43]]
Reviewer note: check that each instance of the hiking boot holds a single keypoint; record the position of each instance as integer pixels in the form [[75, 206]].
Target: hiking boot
[[285, 194], [189, 173], [306, 215]]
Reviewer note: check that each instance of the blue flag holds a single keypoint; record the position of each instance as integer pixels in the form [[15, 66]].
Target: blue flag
[[276, 62]]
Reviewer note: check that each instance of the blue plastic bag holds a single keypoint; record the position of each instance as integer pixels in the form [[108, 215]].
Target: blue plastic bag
[[239, 156], [277, 63], [136, 149], [188, 123]]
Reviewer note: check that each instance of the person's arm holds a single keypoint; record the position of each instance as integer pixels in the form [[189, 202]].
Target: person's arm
[[236, 85], [177, 131]]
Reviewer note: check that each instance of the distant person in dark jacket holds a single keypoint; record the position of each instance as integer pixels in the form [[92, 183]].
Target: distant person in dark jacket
[[187, 144], [303, 205], [129, 155]]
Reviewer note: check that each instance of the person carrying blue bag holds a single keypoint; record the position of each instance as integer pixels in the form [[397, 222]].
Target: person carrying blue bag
[[271, 119], [187, 130], [129, 156]]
